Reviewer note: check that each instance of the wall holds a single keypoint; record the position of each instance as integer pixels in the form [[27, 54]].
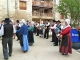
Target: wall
[[24, 14], [14, 11], [3, 8]]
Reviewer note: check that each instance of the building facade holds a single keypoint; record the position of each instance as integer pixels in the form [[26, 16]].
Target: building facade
[[42, 10], [35, 10], [3, 8], [17, 9]]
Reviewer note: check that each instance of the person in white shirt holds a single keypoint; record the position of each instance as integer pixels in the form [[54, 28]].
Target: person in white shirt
[[46, 33], [53, 27], [37, 26], [57, 31], [17, 28], [41, 29]]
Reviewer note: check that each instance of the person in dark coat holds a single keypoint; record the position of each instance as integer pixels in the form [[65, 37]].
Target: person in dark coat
[[46, 33], [37, 26], [53, 32], [7, 38], [30, 34], [17, 28]]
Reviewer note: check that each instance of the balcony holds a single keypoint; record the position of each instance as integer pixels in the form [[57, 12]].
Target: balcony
[[42, 4], [42, 15]]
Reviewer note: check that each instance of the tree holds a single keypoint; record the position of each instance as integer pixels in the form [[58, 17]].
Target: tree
[[70, 8]]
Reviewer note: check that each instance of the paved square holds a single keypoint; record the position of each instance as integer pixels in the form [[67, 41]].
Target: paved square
[[42, 49]]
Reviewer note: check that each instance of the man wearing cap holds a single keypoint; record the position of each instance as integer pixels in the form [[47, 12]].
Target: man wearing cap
[[53, 32], [57, 31], [7, 38]]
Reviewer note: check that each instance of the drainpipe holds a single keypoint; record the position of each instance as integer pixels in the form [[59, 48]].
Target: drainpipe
[[7, 9]]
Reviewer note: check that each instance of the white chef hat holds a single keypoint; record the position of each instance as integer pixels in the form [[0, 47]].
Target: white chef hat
[[68, 21], [23, 21]]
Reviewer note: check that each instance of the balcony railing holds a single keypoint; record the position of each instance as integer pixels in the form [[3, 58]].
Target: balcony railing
[[42, 14], [42, 3]]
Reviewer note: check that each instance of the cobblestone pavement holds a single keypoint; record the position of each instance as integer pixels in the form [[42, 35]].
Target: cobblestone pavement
[[42, 49]]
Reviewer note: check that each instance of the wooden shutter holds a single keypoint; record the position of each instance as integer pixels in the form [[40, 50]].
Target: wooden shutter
[[22, 5]]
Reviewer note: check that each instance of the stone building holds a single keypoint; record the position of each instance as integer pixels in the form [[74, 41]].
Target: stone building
[[42, 10], [18, 9], [35, 10], [3, 8]]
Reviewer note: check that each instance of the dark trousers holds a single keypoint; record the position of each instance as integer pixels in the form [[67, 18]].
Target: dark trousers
[[53, 36], [18, 36], [46, 34], [37, 32], [35, 29], [56, 41], [6, 41], [79, 34], [41, 32]]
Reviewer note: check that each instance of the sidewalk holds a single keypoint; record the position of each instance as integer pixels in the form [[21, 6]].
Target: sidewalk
[[42, 49]]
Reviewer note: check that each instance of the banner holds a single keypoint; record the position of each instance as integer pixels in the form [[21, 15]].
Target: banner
[[74, 35]]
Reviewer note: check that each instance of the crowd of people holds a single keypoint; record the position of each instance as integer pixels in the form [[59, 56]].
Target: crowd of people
[[26, 30]]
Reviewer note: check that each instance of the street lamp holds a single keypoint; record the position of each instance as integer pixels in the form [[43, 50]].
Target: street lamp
[[7, 9]]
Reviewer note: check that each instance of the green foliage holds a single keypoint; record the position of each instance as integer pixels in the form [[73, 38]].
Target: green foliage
[[70, 8]]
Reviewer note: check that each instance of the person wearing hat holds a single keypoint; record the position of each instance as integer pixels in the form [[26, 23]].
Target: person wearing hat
[[17, 28], [7, 38], [57, 31], [23, 31], [66, 44], [53, 32]]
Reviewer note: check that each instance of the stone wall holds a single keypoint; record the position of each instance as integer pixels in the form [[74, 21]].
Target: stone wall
[[24, 14], [3, 8], [14, 11]]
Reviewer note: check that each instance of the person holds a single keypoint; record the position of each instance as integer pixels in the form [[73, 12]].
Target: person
[[66, 45], [35, 29], [12, 22], [46, 33], [79, 31], [23, 31], [17, 28], [53, 32], [41, 29], [37, 26], [1, 29], [30, 33], [57, 31], [7, 38]]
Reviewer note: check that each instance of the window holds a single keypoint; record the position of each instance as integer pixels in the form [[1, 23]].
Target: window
[[22, 5]]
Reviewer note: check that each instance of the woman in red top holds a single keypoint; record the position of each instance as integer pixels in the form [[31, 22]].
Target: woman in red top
[[66, 44]]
